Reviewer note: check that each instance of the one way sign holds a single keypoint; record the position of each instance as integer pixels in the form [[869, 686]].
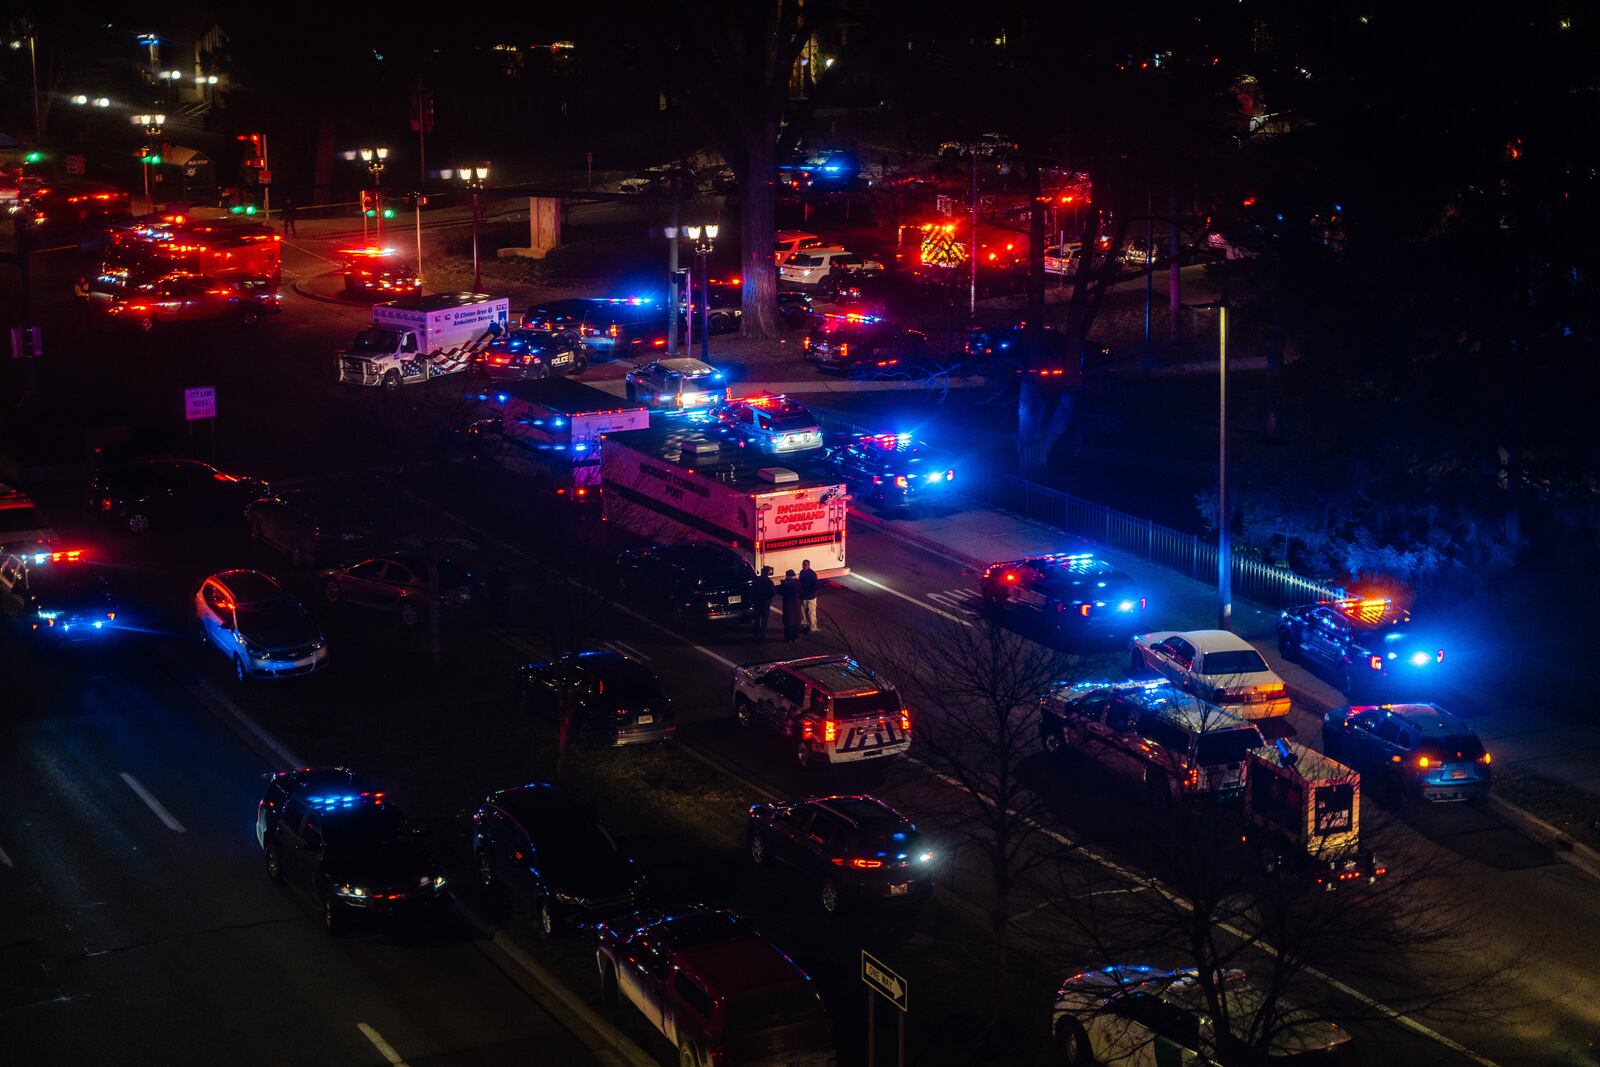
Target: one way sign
[[885, 981]]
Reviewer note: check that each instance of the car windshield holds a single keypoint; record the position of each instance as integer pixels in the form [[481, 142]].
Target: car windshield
[[585, 841], [1240, 661], [779, 1007], [365, 829], [882, 703], [20, 520], [1446, 749], [55, 583], [271, 612], [800, 260], [1226, 746], [374, 340], [791, 422]]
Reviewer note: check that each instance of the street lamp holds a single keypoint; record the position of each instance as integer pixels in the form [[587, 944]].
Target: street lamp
[[150, 157], [33, 62], [704, 238], [375, 158], [475, 177]]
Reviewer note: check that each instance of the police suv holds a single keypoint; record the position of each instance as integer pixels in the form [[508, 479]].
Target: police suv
[[1363, 642], [1071, 592], [830, 708]]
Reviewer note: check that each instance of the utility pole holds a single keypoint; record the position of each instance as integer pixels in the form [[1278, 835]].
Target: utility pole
[[1224, 549], [1174, 281], [672, 273], [1149, 261], [266, 190], [972, 245]]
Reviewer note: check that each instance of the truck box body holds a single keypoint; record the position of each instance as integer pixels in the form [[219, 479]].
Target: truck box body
[[693, 479], [423, 337], [552, 429], [1307, 807]]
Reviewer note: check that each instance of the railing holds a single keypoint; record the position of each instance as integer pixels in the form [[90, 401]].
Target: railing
[[1185, 553]]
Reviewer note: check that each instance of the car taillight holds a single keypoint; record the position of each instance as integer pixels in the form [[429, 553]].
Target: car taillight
[[105, 503], [806, 343], [860, 863], [900, 481], [905, 721], [844, 349], [615, 330], [1424, 762], [1376, 662], [1083, 609], [1485, 759], [805, 729], [830, 731]]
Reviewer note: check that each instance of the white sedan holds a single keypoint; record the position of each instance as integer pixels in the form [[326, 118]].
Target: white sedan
[[1217, 666]]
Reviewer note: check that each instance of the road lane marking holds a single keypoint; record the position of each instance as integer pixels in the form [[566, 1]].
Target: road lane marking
[[153, 804], [627, 649], [5, 859], [385, 1049], [909, 599]]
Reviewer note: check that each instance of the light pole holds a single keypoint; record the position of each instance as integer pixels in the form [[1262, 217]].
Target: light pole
[[705, 239], [375, 158], [33, 62], [475, 177], [152, 129]]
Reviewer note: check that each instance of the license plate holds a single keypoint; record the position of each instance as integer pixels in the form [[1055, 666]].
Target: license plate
[[874, 752], [559, 360], [1458, 774], [903, 889], [736, 600], [645, 720]]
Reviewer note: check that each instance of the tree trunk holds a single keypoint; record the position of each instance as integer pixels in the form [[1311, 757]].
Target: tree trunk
[[759, 299], [1174, 278]]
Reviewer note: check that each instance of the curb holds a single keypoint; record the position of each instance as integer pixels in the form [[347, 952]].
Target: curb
[[1577, 853], [610, 1044], [927, 544]]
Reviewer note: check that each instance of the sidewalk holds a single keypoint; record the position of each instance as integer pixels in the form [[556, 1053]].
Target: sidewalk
[[1519, 737]]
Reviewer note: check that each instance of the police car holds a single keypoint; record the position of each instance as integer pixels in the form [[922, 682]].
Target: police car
[[1363, 642], [21, 522], [772, 423], [830, 708], [891, 470], [1214, 665], [676, 384], [1070, 592], [53, 593]]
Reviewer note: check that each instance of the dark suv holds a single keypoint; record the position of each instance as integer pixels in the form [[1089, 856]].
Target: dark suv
[[891, 470], [1071, 593], [717, 990], [1421, 751], [695, 581], [849, 847], [352, 852], [313, 522], [553, 851], [615, 700], [873, 349], [147, 492]]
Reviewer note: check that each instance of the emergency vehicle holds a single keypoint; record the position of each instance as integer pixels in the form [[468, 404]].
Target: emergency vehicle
[[54, 594], [423, 337], [550, 432], [831, 708], [175, 243], [1363, 642], [378, 270], [22, 524], [698, 480], [1302, 811]]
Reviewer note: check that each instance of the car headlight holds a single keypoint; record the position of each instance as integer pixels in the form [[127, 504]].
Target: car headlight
[[438, 881], [350, 890]]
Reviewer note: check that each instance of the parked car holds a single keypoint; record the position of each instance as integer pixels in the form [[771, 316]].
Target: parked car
[[812, 268], [891, 470], [354, 855], [1173, 745], [1074, 594], [848, 847], [559, 316], [22, 524], [398, 583], [870, 350], [625, 325], [55, 594], [789, 242], [553, 851], [718, 991], [831, 709], [531, 353], [677, 384], [191, 298], [771, 422], [175, 492], [1217, 666], [309, 782], [315, 521], [265, 632], [615, 700], [1420, 751], [693, 581], [1367, 644]]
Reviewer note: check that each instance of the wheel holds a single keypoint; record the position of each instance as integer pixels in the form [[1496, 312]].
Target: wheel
[[1135, 661], [687, 1057], [1286, 646], [147, 324], [1347, 684], [758, 849], [138, 523], [741, 711], [608, 985], [331, 590], [806, 756], [250, 319], [580, 364], [1160, 790], [485, 868], [391, 380], [831, 902], [547, 920], [1073, 1043], [408, 613], [333, 919], [274, 864], [1054, 744], [240, 671], [633, 393]]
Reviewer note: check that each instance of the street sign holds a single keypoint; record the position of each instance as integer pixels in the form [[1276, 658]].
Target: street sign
[[75, 164], [264, 176], [27, 342], [200, 403], [884, 981]]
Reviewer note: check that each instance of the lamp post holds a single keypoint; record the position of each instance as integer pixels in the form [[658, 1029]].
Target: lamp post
[[704, 238], [33, 62], [375, 158], [152, 129], [475, 177]]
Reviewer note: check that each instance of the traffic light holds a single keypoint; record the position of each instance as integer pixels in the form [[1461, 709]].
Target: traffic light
[[253, 157], [150, 156], [33, 157], [369, 205], [388, 212], [242, 209]]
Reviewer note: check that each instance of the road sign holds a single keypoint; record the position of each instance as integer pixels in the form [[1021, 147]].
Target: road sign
[[200, 403], [264, 176], [75, 164], [881, 979], [27, 342]]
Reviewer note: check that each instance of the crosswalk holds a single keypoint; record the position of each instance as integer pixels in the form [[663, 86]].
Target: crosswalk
[[965, 601]]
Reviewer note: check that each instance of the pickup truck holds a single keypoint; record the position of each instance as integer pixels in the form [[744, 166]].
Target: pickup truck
[[424, 337]]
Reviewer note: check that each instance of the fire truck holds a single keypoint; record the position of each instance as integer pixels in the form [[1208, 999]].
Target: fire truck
[[550, 432], [695, 479], [177, 244]]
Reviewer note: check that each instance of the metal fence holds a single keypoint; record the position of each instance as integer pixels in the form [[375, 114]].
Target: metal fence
[[1183, 552]]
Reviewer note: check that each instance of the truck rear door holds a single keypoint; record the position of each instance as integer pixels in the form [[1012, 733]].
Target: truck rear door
[[868, 725]]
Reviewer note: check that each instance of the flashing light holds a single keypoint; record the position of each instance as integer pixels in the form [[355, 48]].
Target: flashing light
[[830, 731], [1083, 609], [68, 556], [1009, 577], [901, 482], [1376, 662], [1424, 762], [1420, 659], [905, 720], [1485, 759], [1126, 605]]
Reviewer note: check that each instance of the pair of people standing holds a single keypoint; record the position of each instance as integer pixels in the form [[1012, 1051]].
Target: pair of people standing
[[798, 598]]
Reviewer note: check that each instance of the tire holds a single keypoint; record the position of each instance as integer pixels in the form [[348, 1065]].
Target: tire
[[1287, 647], [147, 324], [1348, 686], [741, 712], [138, 523], [1159, 788], [687, 1057], [333, 918], [832, 902], [609, 996], [579, 364], [548, 927], [633, 393], [391, 380], [240, 672], [485, 865], [1072, 1043], [331, 591], [1055, 744], [758, 849], [250, 319], [1135, 661], [806, 756], [274, 864], [409, 615]]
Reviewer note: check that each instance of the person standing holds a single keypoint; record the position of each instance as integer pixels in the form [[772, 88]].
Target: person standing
[[808, 596], [789, 589], [287, 214], [762, 594]]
